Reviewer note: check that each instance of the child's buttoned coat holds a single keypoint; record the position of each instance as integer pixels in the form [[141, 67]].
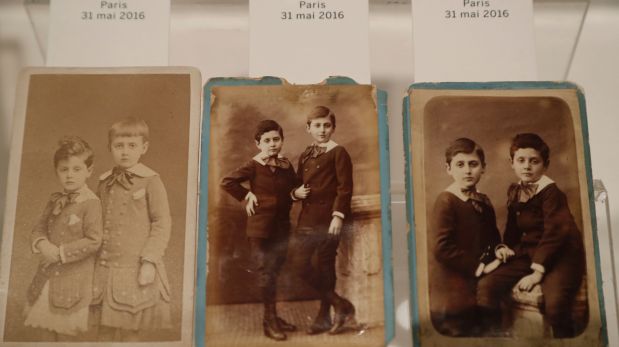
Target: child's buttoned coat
[[76, 230], [329, 177], [136, 229], [272, 187]]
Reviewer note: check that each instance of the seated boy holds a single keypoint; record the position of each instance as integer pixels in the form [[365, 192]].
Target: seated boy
[[547, 243], [462, 240]]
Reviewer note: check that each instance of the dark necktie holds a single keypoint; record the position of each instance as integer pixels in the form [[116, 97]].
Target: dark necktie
[[477, 199], [61, 200], [123, 177]]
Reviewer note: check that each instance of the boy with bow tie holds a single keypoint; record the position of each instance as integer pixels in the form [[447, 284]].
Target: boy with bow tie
[[547, 243], [67, 236], [325, 169], [131, 290], [271, 180], [461, 242]]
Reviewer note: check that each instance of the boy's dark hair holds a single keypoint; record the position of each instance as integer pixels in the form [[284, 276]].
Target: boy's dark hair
[[73, 146], [467, 146], [320, 112], [530, 140], [265, 126], [128, 127]]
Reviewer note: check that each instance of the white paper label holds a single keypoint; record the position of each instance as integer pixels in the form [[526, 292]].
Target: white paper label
[[108, 33], [308, 41], [473, 40]]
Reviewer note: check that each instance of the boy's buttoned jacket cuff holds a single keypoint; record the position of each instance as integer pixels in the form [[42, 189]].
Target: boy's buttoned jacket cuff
[[148, 260]]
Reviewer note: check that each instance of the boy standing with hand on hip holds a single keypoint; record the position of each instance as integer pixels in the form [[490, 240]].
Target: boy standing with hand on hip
[[271, 178]]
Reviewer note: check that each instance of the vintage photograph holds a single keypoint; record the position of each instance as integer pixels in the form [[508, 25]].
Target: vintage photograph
[[100, 229], [503, 225], [294, 215]]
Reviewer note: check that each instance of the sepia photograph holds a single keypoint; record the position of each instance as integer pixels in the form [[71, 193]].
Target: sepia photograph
[[98, 243], [503, 232], [295, 223]]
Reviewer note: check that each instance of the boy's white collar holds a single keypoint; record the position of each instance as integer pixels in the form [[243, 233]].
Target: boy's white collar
[[457, 191], [542, 183], [138, 169], [258, 158], [327, 145]]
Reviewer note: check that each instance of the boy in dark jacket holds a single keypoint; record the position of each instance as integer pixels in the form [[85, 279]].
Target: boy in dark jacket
[[461, 242], [547, 243], [325, 169], [271, 180]]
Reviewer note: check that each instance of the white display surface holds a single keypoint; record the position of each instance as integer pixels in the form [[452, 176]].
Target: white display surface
[[473, 40], [307, 41], [108, 33]]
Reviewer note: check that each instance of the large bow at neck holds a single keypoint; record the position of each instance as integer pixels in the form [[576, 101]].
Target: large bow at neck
[[313, 151], [275, 161], [122, 177], [62, 199], [523, 192]]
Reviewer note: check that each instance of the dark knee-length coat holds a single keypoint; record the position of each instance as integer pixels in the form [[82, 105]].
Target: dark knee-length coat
[[459, 236]]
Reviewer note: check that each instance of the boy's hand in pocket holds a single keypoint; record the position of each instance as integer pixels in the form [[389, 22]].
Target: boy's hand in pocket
[[252, 202], [147, 273]]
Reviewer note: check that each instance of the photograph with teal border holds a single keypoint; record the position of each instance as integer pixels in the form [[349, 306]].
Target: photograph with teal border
[[503, 244], [294, 244]]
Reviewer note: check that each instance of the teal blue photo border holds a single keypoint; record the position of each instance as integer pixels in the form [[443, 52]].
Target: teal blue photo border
[[385, 198], [406, 119]]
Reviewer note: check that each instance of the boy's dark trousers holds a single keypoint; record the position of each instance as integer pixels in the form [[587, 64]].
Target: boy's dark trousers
[[314, 260], [559, 285], [268, 256], [323, 248]]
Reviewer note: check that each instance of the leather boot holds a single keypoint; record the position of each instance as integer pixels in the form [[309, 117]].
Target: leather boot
[[322, 322], [344, 314], [270, 324], [285, 326]]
